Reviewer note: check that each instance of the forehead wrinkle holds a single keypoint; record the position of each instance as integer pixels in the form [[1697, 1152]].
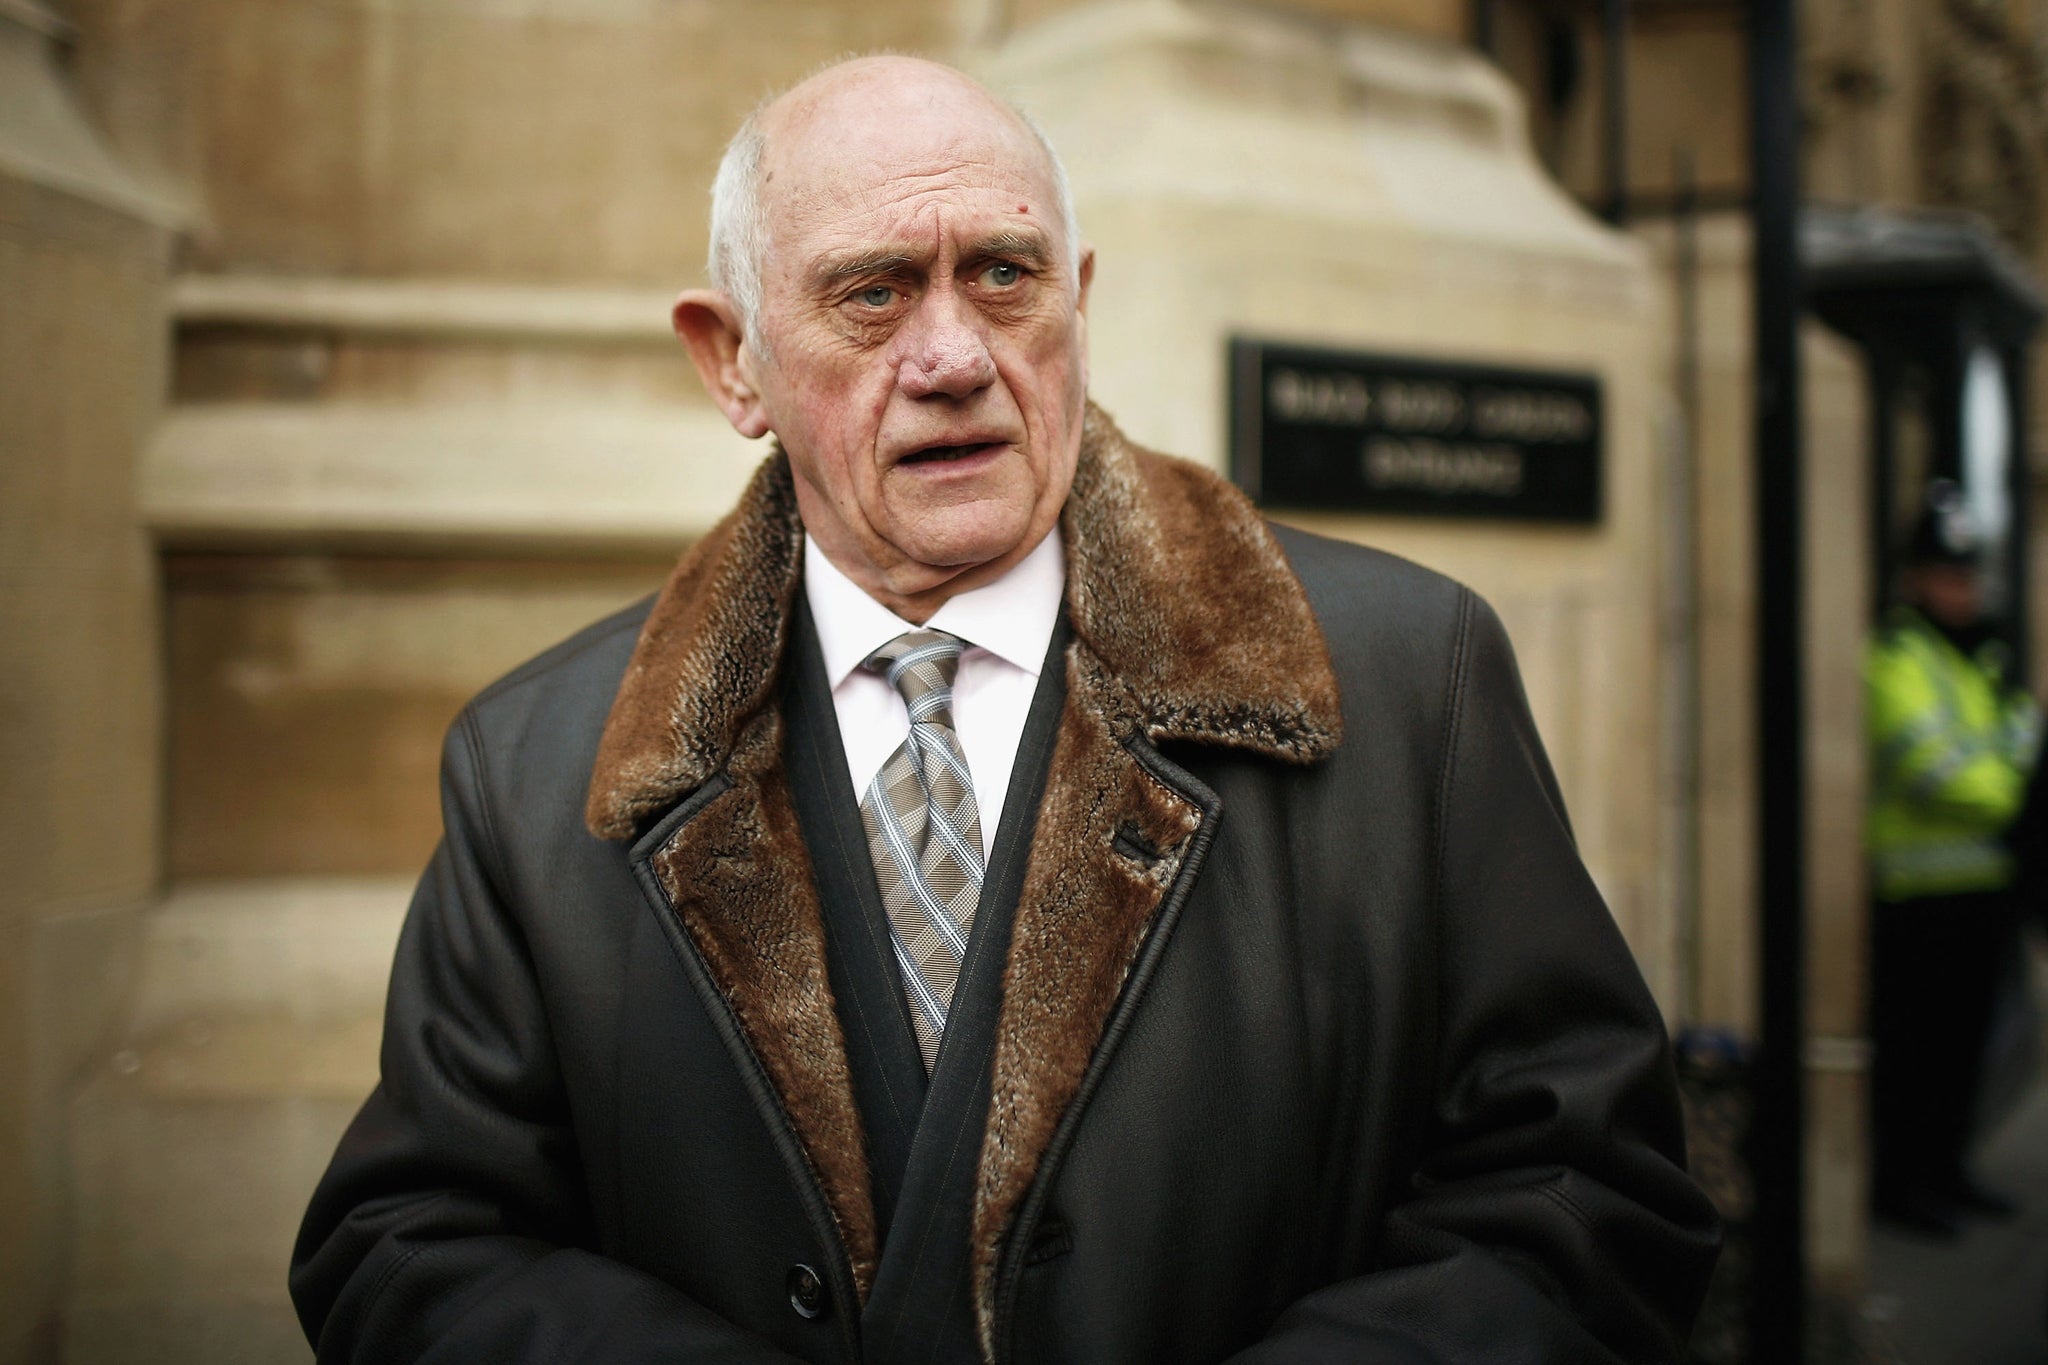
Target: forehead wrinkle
[[1028, 244], [912, 190], [872, 221], [831, 196], [923, 176]]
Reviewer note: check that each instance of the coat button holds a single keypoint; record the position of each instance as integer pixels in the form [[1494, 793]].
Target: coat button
[[806, 1292]]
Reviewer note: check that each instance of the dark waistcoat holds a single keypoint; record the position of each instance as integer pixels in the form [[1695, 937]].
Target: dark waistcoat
[[924, 1137]]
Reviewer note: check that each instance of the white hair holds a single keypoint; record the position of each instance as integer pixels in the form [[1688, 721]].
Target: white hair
[[739, 237], [739, 230]]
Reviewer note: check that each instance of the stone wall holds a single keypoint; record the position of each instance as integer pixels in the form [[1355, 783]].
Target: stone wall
[[83, 256], [1250, 174]]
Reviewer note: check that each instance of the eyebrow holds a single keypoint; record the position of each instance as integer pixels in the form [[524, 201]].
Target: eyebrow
[[1029, 247], [868, 263], [1026, 247]]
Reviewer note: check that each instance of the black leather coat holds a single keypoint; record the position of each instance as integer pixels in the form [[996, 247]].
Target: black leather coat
[[1313, 1040]]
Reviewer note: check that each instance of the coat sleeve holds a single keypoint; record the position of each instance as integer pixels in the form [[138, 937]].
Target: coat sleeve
[[1548, 1218], [452, 1225]]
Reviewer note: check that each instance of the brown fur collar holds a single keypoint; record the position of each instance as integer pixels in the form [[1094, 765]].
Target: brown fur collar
[[1189, 625], [1173, 582]]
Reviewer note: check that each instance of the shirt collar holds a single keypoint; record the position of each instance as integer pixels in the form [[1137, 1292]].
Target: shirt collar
[[1012, 618]]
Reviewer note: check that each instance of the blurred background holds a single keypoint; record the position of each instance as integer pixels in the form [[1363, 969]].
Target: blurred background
[[336, 379]]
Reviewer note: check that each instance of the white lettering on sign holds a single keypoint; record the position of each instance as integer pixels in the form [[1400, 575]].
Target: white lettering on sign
[[1423, 465], [1533, 415], [1337, 398], [1420, 405]]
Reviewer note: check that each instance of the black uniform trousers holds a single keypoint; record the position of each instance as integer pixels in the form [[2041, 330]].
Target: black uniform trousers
[[1934, 972]]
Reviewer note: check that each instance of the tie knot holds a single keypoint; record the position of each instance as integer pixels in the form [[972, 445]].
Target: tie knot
[[921, 664]]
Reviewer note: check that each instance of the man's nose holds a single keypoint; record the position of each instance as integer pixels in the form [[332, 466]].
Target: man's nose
[[947, 354]]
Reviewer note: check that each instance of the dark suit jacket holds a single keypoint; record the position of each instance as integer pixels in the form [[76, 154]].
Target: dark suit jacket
[[1308, 1037]]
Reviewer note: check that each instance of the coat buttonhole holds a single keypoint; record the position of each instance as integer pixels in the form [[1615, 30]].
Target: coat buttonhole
[[1134, 845], [1053, 1239]]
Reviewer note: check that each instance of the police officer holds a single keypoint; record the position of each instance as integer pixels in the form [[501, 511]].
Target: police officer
[[1952, 746]]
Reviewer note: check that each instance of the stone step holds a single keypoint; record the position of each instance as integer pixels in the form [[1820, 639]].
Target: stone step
[[400, 415], [185, 1207], [299, 953], [195, 1143], [429, 309], [586, 477]]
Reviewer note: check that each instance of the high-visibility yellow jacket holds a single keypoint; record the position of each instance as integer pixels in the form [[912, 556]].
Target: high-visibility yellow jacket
[[1951, 745]]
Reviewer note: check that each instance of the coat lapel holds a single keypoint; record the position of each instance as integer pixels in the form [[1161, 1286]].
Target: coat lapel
[[695, 703], [1189, 627], [1111, 840], [739, 878]]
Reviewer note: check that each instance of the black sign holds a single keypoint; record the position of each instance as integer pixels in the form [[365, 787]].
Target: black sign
[[1342, 431]]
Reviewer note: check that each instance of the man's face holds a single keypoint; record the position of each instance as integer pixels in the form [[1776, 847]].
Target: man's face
[[926, 364], [1951, 594]]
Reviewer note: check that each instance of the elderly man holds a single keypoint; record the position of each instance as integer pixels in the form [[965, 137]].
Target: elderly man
[[1002, 900]]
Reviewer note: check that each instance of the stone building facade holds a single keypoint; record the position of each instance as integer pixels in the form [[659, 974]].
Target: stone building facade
[[337, 380]]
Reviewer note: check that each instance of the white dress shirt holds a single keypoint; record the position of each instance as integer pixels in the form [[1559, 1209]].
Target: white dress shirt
[[1007, 626]]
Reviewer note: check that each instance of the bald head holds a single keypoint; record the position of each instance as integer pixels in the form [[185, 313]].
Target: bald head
[[863, 112], [900, 299]]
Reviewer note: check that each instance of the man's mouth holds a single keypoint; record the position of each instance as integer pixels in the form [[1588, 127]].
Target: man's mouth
[[946, 454]]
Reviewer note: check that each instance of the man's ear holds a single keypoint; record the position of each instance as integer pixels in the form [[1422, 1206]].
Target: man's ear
[[1084, 275], [709, 326]]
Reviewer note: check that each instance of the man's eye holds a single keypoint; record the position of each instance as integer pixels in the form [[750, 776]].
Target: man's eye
[[877, 296], [1002, 274]]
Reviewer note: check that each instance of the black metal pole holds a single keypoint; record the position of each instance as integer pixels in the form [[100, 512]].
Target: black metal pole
[[1882, 368], [1614, 131], [1483, 23], [1685, 229], [1777, 1144]]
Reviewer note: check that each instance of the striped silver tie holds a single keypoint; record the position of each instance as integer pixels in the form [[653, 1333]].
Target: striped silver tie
[[924, 832]]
